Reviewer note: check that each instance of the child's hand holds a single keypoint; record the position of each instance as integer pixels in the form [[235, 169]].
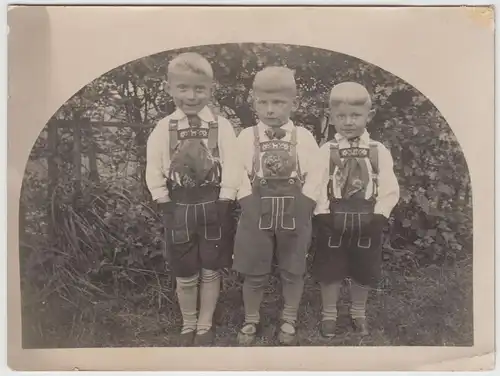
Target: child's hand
[[379, 221]]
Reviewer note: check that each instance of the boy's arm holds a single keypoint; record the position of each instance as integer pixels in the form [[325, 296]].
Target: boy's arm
[[313, 171], [388, 187], [155, 178], [322, 203], [231, 170]]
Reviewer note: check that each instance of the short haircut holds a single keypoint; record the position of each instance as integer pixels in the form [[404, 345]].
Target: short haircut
[[275, 79], [350, 93], [190, 62]]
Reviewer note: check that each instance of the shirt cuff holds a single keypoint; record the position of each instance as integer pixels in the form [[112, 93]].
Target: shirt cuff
[[321, 210], [160, 194], [227, 193], [379, 210]]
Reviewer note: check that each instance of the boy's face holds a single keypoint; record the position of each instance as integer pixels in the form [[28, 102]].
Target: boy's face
[[350, 120], [190, 91], [274, 108]]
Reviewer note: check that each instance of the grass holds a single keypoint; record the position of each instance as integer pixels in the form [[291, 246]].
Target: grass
[[431, 306]]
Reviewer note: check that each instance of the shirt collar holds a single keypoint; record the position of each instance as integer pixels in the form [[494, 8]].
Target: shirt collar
[[364, 139], [205, 114], [287, 126]]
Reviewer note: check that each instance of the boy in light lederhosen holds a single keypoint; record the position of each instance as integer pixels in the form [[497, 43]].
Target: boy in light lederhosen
[[278, 194], [193, 174], [359, 192]]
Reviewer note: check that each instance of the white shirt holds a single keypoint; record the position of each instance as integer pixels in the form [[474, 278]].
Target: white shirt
[[388, 187], [307, 155], [158, 154]]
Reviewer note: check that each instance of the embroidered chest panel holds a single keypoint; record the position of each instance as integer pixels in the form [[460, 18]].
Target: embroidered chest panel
[[354, 152], [275, 145], [192, 133]]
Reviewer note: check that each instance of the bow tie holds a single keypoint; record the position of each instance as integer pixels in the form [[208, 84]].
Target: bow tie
[[194, 121], [275, 133], [354, 141]]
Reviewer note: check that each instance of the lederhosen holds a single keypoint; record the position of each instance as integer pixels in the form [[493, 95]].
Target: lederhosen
[[194, 236], [276, 217], [348, 244]]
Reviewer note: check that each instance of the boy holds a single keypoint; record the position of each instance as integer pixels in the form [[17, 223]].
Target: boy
[[358, 194], [277, 196], [192, 174]]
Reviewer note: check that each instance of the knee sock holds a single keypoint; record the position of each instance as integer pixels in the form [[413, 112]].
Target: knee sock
[[253, 293], [209, 294], [359, 296], [330, 295], [187, 295], [292, 286]]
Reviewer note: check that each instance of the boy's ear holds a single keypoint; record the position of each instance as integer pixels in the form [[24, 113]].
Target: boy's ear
[[371, 114], [295, 104], [166, 87]]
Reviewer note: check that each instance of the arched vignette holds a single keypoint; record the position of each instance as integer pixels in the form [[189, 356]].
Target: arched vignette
[[431, 225]]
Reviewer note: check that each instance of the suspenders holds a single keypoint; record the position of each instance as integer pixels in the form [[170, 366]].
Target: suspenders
[[212, 141], [336, 161], [256, 153]]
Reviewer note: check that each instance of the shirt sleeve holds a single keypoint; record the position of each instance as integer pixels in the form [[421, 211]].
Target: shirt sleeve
[[231, 167], [323, 203], [155, 163], [388, 186], [308, 159]]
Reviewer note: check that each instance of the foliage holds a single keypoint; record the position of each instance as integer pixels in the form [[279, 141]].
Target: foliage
[[108, 241]]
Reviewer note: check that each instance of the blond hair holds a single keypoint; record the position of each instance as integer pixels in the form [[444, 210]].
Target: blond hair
[[275, 79], [190, 62], [350, 93]]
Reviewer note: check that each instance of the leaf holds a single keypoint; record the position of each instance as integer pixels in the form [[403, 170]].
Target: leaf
[[432, 232], [424, 203], [446, 189]]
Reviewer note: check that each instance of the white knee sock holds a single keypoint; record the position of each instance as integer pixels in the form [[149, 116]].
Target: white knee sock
[[330, 295], [209, 294], [359, 296], [187, 295]]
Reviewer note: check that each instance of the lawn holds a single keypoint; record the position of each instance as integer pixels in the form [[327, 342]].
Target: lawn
[[429, 306]]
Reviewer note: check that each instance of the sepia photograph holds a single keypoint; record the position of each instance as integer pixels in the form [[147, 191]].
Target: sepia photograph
[[247, 194]]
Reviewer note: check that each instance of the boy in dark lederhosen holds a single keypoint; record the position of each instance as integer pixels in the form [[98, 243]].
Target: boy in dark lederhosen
[[193, 174], [278, 193], [359, 192]]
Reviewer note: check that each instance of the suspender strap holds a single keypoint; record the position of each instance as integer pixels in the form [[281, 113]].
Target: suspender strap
[[256, 152], [334, 158], [293, 153], [374, 157], [213, 137], [172, 127], [375, 167]]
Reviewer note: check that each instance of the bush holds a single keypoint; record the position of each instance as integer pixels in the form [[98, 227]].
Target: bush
[[107, 239]]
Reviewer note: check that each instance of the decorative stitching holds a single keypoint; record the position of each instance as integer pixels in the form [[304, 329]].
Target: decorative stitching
[[359, 235], [272, 214], [206, 234], [341, 235], [283, 213], [187, 229]]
